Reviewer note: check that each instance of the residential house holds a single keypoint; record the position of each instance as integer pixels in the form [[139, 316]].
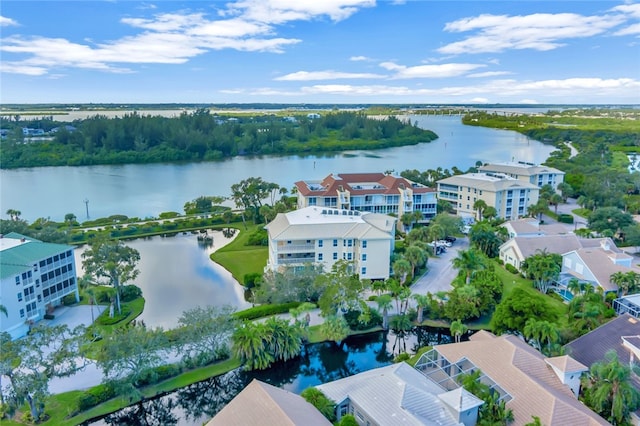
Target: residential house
[[516, 250], [325, 235], [510, 197], [35, 276], [538, 175], [529, 383], [369, 192], [530, 227], [398, 394], [263, 404], [621, 334], [595, 265]]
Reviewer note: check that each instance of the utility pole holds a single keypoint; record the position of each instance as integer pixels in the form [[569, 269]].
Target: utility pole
[[86, 205]]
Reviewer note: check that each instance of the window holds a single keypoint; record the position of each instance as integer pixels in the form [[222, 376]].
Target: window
[[364, 257], [42, 263], [349, 256], [363, 270], [364, 243], [319, 257], [335, 255], [21, 313], [335, 243], [19, 296], [320, 243], [18, 280], [350, 243]]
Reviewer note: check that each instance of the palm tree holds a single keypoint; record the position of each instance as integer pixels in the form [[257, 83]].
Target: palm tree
[[479, 206], [435, 232], [621, 280], [574, 287], [401, 269], [611, 393], [457, 329], [250, 346], [469, 261], [554, 200], [422, 301], [416, 257], [384, 304], [3, 309]]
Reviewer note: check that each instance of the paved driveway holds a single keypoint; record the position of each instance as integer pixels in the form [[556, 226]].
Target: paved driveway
[[441, 271]]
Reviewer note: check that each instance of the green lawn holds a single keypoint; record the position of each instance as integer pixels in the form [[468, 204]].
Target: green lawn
[[240, 259]]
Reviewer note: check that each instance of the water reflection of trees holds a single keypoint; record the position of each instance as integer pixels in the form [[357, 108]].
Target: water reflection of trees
[[206, 398], [153, 412]]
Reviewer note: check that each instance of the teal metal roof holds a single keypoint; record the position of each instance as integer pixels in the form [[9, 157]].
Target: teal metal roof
[[20, 258]]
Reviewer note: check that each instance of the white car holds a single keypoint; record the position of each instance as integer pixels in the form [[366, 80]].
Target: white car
[[444, 243]]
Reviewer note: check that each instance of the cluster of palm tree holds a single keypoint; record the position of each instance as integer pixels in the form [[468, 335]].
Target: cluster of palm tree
[[14, 214], [587, 309], [259, 344], [539, 332], [627, 282]]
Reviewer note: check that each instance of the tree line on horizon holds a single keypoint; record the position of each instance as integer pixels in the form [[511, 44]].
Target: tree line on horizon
[[199, 136]]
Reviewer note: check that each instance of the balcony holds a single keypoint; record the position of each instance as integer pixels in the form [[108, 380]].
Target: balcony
[[296, 248]]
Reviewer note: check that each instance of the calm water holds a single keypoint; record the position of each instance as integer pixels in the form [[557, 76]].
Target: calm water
[[320, 363], [177, 274], [145, 190]]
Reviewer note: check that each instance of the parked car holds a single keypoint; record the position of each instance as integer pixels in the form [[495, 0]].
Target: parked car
[[450, 239], [444, 243]]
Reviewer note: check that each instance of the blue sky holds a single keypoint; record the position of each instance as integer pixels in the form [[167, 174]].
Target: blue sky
[[320, 51]]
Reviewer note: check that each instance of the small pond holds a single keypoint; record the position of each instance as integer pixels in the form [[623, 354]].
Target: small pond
[[176, 274], [319, 363]]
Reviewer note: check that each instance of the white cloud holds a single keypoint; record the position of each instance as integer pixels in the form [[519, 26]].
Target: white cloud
[[174, 38], [498, 91], [359, 58], [12, 68], [539, 31], [7, 22], [630, 30], [633, 9], [480, 100], [282, 11], [324, 75], [489, 74], [429, 71]]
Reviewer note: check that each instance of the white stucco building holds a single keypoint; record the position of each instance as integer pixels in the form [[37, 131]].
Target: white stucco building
[[510, 197], [535, 174], [35, 275], [325, 235]]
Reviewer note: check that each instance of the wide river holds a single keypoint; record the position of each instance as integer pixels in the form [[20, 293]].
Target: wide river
[[145, 190]]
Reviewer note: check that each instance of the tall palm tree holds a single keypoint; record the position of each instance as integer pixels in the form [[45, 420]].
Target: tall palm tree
[[401, 269], [384, 304], [469, 261], [457, 329], [479, 206], [416, 257], [574, 287], [621, 280], [611, 393], [422, 301]]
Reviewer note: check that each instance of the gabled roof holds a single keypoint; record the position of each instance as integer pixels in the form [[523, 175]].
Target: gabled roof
[[263, 404], [559, 244], [396, 394], [601, 264], [523, 373], [591, 347], [566, 364]]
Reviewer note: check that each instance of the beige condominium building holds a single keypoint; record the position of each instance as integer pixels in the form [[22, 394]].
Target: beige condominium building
[[369, 192], [324, 236], [528, 172], [511, 197]]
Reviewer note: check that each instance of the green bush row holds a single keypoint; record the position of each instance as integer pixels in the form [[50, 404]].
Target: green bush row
[[565, 218], [96, 395], [265, 310]]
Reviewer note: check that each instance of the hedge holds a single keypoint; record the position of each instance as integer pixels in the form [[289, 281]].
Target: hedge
[[265, 310]]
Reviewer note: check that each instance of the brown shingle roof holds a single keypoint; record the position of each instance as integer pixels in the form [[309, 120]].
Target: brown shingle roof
[[522, 371], [350, 181], [263, 404], [592, 347], [566, 364]]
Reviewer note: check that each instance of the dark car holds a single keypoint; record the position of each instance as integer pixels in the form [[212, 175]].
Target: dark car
[[450, 239]]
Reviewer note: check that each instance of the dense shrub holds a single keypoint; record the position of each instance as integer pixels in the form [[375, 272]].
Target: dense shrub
[[352, 318], [95, 395], [69, 299], [104, 318], [158, 374], [258, 238], [129, 293], [565, 218], [509, 267], [265, 310], [250, 280]]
